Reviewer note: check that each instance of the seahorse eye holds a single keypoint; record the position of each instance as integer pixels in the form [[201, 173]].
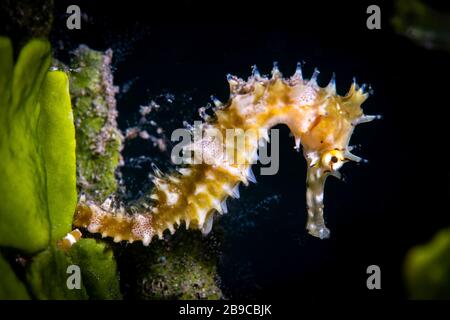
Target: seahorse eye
[[332, 160]]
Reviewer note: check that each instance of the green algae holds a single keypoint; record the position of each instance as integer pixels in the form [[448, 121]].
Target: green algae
[[48, 274], [422, 24], [99, 269], [11, 288], [183, 266], [189, 268], [41, 168], [427, 268], [37, 148], [38, 185]]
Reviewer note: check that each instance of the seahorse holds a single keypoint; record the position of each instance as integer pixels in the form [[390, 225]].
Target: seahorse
[[320, 120]]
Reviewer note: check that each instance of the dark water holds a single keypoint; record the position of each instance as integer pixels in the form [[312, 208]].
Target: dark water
[[385, 207]]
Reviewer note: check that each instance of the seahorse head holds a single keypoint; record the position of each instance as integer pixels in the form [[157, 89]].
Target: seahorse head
[[326, 146]]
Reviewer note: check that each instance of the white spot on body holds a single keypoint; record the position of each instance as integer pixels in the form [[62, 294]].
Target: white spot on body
[[172, 198], [146, 239], [304, 95], [154, 197], [142, 228], [106, 205], [319, 197], [201, 188], [185, 171]]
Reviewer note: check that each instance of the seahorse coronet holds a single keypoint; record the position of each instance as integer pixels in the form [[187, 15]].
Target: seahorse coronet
[[320, 120]]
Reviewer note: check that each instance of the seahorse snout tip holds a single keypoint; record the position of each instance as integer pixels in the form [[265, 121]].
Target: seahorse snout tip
[[319, 231]]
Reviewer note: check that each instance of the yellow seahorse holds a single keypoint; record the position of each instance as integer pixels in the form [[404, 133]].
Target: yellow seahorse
[[319, 119]]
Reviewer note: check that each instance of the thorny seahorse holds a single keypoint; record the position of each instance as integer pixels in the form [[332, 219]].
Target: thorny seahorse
[[320, 120]]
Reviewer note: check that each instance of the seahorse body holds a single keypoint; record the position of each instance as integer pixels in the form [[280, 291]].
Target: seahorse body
[[319, 119]]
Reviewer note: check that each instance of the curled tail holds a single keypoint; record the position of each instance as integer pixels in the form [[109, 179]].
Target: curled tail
[[191, 196]]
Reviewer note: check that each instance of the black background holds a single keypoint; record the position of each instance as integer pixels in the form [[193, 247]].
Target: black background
[[396, 201]]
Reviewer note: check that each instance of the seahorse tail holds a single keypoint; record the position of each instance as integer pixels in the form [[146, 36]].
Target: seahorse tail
[[119, 225]]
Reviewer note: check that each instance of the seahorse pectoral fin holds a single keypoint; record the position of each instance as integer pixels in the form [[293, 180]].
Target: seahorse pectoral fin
[[315, 182]]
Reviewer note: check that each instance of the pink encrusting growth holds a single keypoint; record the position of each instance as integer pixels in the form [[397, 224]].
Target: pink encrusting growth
[[319, 119]]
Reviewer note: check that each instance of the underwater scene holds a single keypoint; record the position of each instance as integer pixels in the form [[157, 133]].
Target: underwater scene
[[191, 150]]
